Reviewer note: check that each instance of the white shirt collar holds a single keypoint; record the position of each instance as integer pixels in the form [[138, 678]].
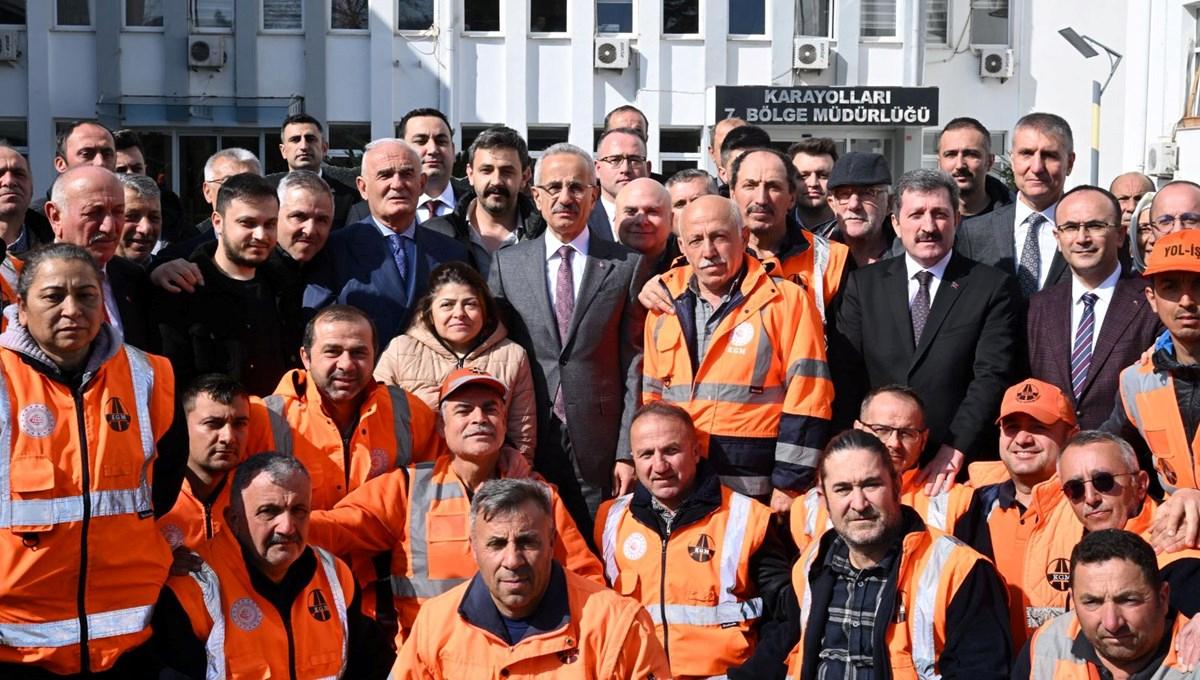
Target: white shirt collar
[[446, 197], [386, 231], [580, 243], [938, 269], [1104, 291], [1024, 211]]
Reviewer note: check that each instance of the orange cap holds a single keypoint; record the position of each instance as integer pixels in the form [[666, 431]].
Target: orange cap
[[1176, 252], [461, 377], [1043, 401]]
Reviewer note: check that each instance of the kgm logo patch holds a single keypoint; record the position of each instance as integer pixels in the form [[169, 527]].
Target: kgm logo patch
[[1058, 574], [701, 551], [318, 606], [116, 415]]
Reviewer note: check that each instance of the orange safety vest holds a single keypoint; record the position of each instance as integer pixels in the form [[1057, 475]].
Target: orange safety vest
[[602, 636], [705, 607], [932, 567], [10, 273], [809, 517], [765, 359], [245, 637], [817, 269], [75, 496], [1051, 658], [395, 429], [423, 519], [192, 522], [1149, 400]]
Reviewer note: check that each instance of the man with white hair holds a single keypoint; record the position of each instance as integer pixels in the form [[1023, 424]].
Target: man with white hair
[[381, 265]]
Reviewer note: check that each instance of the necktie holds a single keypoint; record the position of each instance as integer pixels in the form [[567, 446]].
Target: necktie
[[920, 305], [1081, 351], [1031, 257], [396, 241], [564, 309], [433, 208]]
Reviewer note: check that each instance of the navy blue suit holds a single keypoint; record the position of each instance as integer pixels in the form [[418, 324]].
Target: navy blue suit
[[356, 268]]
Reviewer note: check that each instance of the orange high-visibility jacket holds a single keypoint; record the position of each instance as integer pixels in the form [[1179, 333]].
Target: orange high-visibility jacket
[[75, 500], [696, 584], [394, 429], [421, 515], [1051, 656], [809, 517], [814, 263], [1148, 397], [10, 272], [192, 521], [761, 397], [244, 635], [596, 634]]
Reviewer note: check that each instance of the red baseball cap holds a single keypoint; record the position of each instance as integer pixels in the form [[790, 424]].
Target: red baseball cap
[[461, 377]]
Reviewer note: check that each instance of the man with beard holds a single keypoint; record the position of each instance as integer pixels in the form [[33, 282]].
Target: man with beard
[[858, 190], [143, 218], [814, 158], [965, 153], [235, 323], [499, 215], [620, 159]]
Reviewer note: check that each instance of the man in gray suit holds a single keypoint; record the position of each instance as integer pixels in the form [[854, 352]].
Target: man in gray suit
[[572, 299], [1019, 238]]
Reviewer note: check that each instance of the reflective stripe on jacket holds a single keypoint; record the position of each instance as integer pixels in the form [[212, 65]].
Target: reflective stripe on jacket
[[1051, 658], [1149, 400], [817, 267]]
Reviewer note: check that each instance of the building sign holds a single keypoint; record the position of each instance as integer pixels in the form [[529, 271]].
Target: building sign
[[819, 105]]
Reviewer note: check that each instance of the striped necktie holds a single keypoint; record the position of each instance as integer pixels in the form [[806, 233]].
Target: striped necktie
[[1081, 351]]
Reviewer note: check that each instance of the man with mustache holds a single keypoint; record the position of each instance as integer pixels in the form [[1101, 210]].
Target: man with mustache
[[858, 189], [237, 322], [620, 159], [932, 320], [87, 208], [143, 218], [744, 354], [965, 153], [500, 213], [264, 602]]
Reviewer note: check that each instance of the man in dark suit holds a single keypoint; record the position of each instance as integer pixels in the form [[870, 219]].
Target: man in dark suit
[[1019, 238], [620, 159], [381, 265], [933, 320], [303, 145], [573, 303], [1084, 331]]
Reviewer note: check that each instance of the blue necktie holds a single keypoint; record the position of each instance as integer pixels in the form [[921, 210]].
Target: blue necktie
[[396, 241], [1081, 352]]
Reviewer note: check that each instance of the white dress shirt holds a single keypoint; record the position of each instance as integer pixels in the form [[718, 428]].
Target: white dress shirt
[[1104, 295], [938, 270], [447, 199], [578, 262], [110, 302], [410, 232], [610, 209], [1047, 244]]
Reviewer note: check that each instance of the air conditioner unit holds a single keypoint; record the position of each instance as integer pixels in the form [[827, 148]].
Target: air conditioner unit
[[612, 53], [810, 54], [10, 45], [1162, 159], [206, 51], [995, 63]]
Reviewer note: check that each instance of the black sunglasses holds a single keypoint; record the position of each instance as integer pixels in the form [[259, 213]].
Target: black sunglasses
[[1102, 482]]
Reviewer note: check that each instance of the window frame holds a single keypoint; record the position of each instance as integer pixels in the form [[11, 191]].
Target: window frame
[[76, 28], [418, 32], [766, 5], [347, 31], [831, 24], [876, 39], [701, 19], [126, 28], [565, 33], [633, 20], [23, 24], [193, 16], [1008, 27], [470, 33], [262, 21], [949, 41]]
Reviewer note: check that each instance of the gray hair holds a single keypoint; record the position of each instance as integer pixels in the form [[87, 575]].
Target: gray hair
[[691, 174], [500, 496], [277, 466], [565, 149], [303, 179], [231, 154], [1087, 437], [1050, 125], [140, 185], [55, 251], [925, 181], [58, 190]]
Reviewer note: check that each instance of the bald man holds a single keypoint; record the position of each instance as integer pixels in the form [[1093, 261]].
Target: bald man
[[1175, 207], [1129, 189], [381, 265], [719, 131], [644, 222], [87, 208]]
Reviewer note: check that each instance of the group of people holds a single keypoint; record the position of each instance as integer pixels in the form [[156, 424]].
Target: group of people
[[574, 419]]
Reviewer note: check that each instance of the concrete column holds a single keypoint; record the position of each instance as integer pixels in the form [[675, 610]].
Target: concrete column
[[581, 25], [39, 17], [847, 27], [650, 56], [715, 28], [108, 68], [316, 21], [245, 59], [515, 21], [175, 73], [382, 68], [781, 27]]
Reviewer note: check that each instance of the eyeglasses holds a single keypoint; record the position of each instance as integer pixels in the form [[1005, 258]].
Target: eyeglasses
[[574, 189], [618, 161], [218, 182], [865, 194], [1094, 228], [1165, 223], [1102, 482], [884, 432]]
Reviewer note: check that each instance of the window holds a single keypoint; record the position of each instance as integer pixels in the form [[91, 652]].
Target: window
[[879, 19], [548, 16], [73, 13], [681, 17], [417, 15], [12, 133], [747, 17], [813, 18], [989, 22], [12, 12], [542, 138], [213, 14], [348, 15], [679, 148], [143, 13], [282, 15], [614, 16], [937, 21], [481, 15], [469, 133], [346, 142]]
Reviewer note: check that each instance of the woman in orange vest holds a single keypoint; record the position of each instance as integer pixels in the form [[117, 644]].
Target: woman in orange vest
[[81, 561]]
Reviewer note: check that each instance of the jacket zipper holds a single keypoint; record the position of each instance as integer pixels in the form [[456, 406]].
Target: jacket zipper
[[662, 599], [208, 525], [84, 656], [287, 628]]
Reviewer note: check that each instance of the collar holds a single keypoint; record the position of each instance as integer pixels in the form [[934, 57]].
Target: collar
[[298, 576], [704, 499], [1023, 211], [17, 338], [446, 197], [410, 232], [838, 559], [693, 285], [610, 209], [938, 269], [1104, 291], [794, 240], [552, 613], [580, 243]]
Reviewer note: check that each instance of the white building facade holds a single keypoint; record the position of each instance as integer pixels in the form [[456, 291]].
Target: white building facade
[[197, 75]]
